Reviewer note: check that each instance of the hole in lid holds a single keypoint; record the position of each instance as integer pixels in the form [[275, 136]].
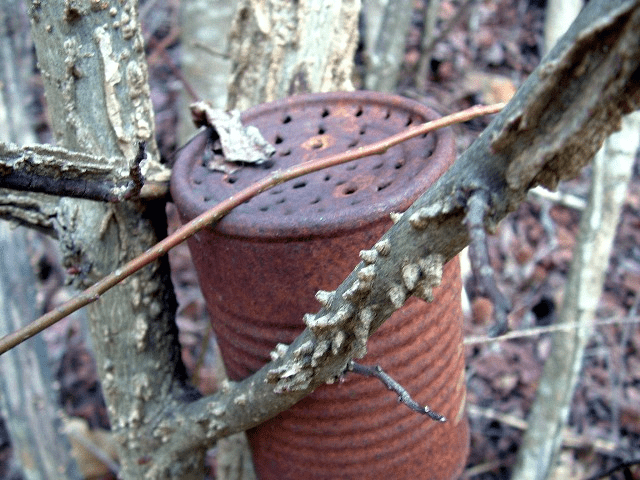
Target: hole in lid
[[424, 135], [231, 179], [363, 130], [409, 122], [299, 184], [377, 165], [353, 143], [264, 208], [286, 119], [398, 165], [352, 166], [340, 182], [276, 191], [325, 112], [387, 115], [356, 201], [315, 200], [351, 189], [384, 185], [327, 177], [278, 140], [197, 181], [206, 199], [281, 200], [359, 111], [321, 130], [285, 153]]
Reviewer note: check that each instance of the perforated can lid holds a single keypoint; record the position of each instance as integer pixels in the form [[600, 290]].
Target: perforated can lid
[[323, 203]]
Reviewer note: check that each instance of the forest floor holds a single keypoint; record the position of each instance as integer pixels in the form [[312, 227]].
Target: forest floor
[[482, 59]]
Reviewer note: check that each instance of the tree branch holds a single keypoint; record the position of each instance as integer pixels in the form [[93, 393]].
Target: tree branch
[[477, 207], [552, 127], [58, 171], [214, 214], [403, 396]]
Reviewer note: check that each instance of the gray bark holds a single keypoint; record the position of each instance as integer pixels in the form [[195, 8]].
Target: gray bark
[[29, 405], [36, 211], [91, 56], [386, 41], [280, 48], [26, 394], [204, 60]]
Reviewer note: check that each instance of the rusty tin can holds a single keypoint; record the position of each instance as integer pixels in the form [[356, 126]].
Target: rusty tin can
[[260, 266]]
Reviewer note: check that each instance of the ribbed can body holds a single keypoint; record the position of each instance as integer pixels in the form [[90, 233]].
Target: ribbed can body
[[358, 429], [259, 272]]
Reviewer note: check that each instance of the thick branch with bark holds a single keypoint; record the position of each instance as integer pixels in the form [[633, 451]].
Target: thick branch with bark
[[58, 171], [550, 130]]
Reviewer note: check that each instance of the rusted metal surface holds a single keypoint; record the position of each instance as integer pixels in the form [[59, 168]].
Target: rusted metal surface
[[341, 198], [260, 267], [358, 429]]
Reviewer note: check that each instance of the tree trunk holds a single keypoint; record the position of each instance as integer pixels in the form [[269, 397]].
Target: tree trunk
[[28, 401], [386, 41], [204, 61], [559, 15], [280, 48], [91, 56]]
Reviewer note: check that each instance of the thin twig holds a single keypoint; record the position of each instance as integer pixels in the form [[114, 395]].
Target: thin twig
[[403, 396], [218, 211], [210, 50], [102, 456], [534, 332]]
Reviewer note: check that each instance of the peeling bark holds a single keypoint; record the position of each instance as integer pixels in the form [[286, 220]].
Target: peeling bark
[[29, 210], [57, 171]]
